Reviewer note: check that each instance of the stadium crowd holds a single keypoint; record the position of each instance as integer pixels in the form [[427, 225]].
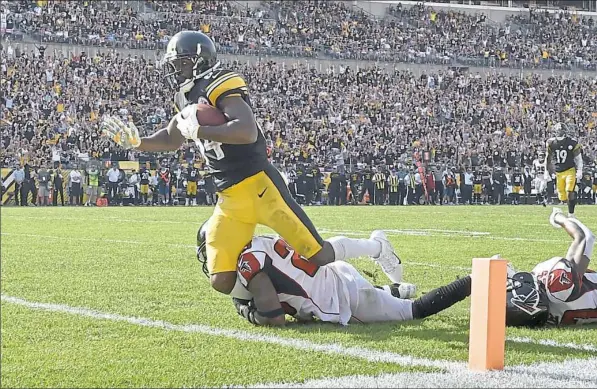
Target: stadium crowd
[[336, 120], [320, 28]]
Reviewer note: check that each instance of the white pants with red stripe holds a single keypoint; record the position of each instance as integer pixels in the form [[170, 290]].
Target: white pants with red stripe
[[367, 303]]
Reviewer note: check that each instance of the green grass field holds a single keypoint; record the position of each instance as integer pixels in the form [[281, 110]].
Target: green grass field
[[140, 263]]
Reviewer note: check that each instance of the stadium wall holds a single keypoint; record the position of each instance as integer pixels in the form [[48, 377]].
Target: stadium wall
[[8, 182], [317, 63]]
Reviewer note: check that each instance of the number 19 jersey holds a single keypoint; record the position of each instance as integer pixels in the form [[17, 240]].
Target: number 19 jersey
[[228, 164], [304, 289], [563, 151]]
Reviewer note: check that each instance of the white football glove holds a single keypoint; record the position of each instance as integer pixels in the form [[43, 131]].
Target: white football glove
[[187, 122], [552, 217], [123, 134]]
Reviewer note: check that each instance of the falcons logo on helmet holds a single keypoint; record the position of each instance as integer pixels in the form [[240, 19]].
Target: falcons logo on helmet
[[528, 303]]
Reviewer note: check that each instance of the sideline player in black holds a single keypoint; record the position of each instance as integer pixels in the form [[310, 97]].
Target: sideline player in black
[[563, 156], [516, 186], [251, 190], [192, 176], [144, 185]]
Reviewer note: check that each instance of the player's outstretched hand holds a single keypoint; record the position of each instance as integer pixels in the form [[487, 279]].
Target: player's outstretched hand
[[552, 218], [123, 134]]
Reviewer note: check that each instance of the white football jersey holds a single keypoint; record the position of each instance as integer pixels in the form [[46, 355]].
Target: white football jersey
[[571, 300], [539, 168], [304, 289]]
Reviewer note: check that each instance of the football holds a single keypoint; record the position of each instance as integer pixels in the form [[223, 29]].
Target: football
[[210, 116]]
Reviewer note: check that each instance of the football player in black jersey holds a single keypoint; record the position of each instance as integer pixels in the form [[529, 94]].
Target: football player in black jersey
[[144, 185], [192, 176], [251, 190], [563, 155], [517, 183]]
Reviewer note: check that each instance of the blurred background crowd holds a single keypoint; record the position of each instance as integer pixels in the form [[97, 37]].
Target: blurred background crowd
[[324, 124]]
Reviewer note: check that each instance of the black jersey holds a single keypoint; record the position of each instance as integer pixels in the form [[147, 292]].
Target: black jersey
[[477, 179], [144, 177], [228, 164], [563, 152], [517, 179], [192, 174]]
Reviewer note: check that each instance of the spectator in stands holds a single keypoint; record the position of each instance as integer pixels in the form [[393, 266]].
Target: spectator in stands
[[316, 117]]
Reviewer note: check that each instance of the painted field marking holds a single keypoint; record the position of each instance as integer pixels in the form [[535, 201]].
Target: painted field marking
[[357, 352], [299, 344], [428, 232], [187, 246], [574, 373]]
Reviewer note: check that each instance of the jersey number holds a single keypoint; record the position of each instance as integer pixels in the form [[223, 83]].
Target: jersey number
[[216, 147], [561, 156], [281, 248]]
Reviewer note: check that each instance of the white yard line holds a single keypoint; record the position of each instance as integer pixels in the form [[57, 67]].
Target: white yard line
[[575, 373], [99, 240], [299, 344], [428, 232], [187, 246], [453, 235]]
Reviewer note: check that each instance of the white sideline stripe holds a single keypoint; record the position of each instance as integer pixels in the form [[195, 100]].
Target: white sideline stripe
[[573, 373], [136, 242], [547, 342], [299, 344], [356, 352]]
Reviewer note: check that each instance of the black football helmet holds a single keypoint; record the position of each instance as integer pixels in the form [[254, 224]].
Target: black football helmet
[[527, 304], [189, 56], [562, 130], [201, 250]]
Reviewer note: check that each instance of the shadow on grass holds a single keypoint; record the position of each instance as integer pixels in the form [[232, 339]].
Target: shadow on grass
[[451, 332]]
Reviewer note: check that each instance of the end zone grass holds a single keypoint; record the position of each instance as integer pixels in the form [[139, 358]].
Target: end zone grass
[[140, 262]]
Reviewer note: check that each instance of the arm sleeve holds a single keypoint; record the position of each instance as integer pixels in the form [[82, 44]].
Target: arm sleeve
[[249, 265], [563, 283]]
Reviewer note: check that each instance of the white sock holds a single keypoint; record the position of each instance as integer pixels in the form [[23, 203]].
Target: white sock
[[347, 248]]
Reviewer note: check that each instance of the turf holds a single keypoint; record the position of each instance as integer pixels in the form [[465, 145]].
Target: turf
[[141, 262]]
